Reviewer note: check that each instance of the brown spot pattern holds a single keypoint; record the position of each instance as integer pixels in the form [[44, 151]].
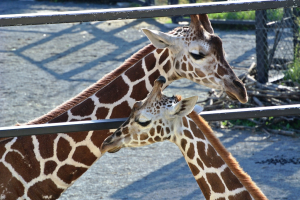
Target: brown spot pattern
[[183, 144], [215, 182], [200, 163], [28, 167], [157, 139], [185, 122], [46, 143], [177, 65], [216, 75], [188, 134], [164, 56], [243, 195], [150, 61], [113, 91], [196, 131], [44, 188], [205, 80], [10, 183], [125, 130], [83, 155], [99, 136], [144, 136], [191, 68], [50, 166], [158, 129], [85, 108], [191, 151], [221, 70], [69, 173], [152, 131], [167, 130], [121, 111], [199, 73], [102, 112], [139, 91], [63, 149], [78, 136], [183, 66], [60, 118], [211, 159], [135, 73], [204, 187], [153, 77], [167, 66], [158, 51], [194, 169], [230, 180]]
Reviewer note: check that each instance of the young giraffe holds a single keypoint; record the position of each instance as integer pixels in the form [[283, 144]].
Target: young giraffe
[[37, 167], [159, 118]]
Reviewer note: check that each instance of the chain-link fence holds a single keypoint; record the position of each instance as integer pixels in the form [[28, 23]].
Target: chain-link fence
[[276, 43]]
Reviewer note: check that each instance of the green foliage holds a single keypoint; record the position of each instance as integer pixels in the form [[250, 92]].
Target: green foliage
[[245, 15], [293, 73], [276, 14]]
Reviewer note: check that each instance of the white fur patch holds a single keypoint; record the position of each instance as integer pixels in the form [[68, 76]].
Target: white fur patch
[[144, 118]]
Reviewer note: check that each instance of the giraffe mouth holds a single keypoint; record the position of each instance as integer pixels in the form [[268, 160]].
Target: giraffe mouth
[[114, 150], [231, 96]]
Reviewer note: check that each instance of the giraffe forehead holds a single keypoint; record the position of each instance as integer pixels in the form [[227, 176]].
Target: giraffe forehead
[[199, 46]]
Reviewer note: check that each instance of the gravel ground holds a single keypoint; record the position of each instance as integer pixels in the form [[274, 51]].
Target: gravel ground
[[43, 66]]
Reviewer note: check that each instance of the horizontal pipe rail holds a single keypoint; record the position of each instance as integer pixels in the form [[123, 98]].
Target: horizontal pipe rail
[[217, 115], [142, 12]]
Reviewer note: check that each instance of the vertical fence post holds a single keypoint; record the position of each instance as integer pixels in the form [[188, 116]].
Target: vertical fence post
[[175, 19], [150, 2], [261, 46], [295, 32]]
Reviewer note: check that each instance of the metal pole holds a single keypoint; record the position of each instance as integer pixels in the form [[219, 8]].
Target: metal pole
[[218, 115], [261, 46], [142, 12]]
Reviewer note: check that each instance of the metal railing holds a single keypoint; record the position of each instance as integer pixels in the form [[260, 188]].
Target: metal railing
[[143, 12], [218, 115]]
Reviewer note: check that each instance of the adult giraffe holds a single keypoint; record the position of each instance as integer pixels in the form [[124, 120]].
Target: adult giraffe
[[159, 118], [35, 167]]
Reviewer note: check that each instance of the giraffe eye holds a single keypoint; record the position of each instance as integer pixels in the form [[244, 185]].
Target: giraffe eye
[[144, 124], [197, 56]]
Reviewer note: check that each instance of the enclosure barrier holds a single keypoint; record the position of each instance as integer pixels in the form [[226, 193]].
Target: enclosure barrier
[[217, 115], [144, 12]]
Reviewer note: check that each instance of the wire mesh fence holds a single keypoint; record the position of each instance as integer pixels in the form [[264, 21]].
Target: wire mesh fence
[[276, 43]]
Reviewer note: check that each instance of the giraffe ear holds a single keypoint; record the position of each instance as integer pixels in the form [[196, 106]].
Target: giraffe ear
[[159, 39], [185, 106]]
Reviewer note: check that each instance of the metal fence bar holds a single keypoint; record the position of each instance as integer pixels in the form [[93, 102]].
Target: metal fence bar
[[142, 12], [217, 115]]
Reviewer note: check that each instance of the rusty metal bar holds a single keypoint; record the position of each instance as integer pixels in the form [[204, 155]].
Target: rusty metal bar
[[142, 12], [218, 115]]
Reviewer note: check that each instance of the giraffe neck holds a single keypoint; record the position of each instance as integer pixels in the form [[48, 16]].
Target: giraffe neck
[[44, 166], [217, 173]]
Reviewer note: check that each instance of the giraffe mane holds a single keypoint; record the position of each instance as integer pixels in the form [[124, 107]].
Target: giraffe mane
[[93, 88], [233, 165]]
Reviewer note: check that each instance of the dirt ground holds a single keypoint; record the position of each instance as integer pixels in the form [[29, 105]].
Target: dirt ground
[[43, 66]]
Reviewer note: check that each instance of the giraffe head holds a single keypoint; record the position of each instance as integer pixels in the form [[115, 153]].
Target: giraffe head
[[151, 120], [198, 55]]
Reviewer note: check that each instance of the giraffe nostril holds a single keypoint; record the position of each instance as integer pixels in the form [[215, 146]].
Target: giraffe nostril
[[108, 140], [238, 83]]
